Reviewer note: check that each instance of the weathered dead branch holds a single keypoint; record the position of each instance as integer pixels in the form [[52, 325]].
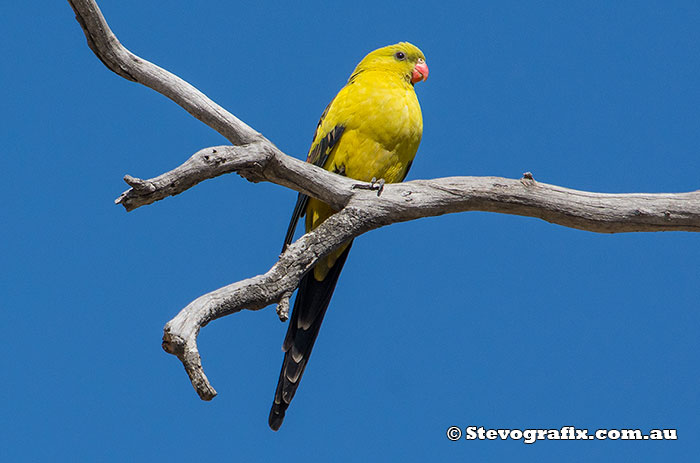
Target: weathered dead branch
[[257, 159]]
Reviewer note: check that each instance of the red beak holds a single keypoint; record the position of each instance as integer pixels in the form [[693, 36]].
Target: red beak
[[420, 71]]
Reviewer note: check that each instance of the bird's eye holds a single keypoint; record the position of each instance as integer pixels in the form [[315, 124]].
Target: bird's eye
[[400, 55]]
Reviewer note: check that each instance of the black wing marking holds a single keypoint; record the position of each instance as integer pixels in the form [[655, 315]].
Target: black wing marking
[[408, 167], [318, 156], [299, 211], [309, 308]]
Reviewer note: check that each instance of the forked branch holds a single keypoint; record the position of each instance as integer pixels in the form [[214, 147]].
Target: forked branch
[[257, 159]]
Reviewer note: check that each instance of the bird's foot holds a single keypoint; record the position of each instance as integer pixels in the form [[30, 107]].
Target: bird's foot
[[372, 185]]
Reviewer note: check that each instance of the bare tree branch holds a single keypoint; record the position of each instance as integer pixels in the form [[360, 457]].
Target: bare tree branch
[[595, 212], [180, 334], [117, 58], [257, 159], [604, 213]]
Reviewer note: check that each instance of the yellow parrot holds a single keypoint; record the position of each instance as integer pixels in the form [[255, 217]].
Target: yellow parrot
[[370, 130]]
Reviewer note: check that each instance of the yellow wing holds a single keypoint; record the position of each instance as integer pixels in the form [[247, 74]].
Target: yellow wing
[[318, 155]]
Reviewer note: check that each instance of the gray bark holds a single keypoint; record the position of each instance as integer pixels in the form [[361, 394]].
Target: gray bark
[[257, 159]]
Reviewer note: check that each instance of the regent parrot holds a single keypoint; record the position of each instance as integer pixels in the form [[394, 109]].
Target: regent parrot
[[370, 130]]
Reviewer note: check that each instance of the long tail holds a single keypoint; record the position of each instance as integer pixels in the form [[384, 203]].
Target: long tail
[[309, 308]]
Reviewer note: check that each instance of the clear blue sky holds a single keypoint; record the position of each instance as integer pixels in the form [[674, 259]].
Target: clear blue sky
[[469, 319]]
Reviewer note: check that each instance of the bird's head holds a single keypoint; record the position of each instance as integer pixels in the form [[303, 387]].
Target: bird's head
[[402, 58]]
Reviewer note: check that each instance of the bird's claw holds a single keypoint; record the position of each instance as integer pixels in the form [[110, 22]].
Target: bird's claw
[[374, 184]]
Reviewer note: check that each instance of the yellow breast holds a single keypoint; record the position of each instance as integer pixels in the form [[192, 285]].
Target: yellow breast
[[383, 127]]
